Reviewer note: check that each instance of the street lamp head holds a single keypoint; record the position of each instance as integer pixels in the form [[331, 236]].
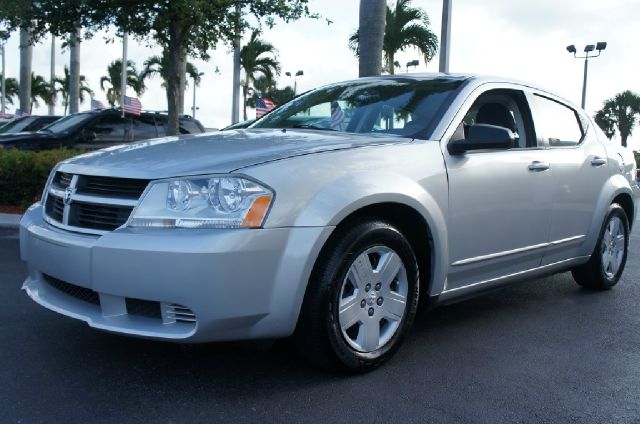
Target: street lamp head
[[299, 73], [572, 49], [589, 48], [601, 46]]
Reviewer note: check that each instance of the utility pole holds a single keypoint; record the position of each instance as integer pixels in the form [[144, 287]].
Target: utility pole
[[52, 106], [445, 36], [123, 75]]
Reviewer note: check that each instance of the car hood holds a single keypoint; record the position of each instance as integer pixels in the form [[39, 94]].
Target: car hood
[[214, 153]]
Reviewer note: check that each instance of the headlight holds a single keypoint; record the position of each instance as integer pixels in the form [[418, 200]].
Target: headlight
[[203, 202]]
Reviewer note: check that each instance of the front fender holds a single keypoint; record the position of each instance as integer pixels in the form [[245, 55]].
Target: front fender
[[348, 194]]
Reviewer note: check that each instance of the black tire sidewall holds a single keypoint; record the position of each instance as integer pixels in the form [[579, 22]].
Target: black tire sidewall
[[352, 244]]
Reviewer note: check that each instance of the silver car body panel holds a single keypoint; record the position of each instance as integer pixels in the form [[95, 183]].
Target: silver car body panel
[[491, 221]]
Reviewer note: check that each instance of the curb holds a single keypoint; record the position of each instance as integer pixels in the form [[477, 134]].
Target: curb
[[9, 220]]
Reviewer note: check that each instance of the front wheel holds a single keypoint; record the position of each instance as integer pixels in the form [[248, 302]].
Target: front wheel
[[361, 300], [607, 262]]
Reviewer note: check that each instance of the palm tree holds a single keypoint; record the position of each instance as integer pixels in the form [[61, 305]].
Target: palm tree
[[619, 113], [114, 78], [372, 23], [159, 65], [41, 88], [64, 84], [257, 57], [405, 26], [12, 89]]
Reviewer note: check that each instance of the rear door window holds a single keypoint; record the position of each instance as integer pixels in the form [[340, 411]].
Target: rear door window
[[557, 123], [144, 129]]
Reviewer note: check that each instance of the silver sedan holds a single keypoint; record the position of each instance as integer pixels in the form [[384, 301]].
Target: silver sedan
[[335, 217]]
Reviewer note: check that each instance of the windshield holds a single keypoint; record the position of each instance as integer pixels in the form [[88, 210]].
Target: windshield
[[64, 125], [17, 125], [400, 106]]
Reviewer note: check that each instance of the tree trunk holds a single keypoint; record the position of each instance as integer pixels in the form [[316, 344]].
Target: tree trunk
[[183, 84], [391, 64], [175, 79], [235, 90], [52, 99], [373, 14], [624, 139], [26, 57], [74, 72]]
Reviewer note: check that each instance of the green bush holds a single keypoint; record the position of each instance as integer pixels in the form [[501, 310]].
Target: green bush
[[23, 174]]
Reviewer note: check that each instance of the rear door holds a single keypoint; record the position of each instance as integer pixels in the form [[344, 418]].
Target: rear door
[[499, 200], [578, 169], [104, 131]]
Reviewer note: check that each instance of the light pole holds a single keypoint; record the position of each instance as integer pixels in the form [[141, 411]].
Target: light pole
[[599, 47], [414, 63], [295, 80], [196, 81]]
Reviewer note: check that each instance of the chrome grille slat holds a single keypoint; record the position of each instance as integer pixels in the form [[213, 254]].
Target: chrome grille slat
[[94, 204]]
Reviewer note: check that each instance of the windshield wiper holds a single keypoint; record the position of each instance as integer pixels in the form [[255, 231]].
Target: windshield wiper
[[313, 127]]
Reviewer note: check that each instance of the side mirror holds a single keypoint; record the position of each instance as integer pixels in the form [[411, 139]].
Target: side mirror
[[88, 135], [482, 137]]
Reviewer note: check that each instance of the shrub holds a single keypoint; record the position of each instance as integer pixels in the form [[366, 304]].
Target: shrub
[[23, 174]]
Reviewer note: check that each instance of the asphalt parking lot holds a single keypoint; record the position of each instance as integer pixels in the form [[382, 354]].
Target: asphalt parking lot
[[542, 351]]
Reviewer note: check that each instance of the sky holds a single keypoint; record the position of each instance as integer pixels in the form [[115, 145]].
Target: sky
[[519, 39]]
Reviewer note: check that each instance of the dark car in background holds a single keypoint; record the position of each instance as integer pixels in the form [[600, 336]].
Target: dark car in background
[[96, 130], [27, 123]]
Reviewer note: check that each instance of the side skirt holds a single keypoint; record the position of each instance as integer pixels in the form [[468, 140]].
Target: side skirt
[[461, 293]]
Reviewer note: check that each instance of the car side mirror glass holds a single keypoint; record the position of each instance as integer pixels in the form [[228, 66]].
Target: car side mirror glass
[[88, 135], [483, 137]]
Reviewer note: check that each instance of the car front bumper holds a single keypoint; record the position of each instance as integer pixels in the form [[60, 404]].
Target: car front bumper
[[181, 285]]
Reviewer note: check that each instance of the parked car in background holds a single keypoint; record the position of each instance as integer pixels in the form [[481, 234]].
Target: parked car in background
[[333, 217], [27, 123], [97, 129]]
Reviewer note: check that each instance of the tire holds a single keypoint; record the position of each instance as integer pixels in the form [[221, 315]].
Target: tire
[[346, 300], [609, 257]]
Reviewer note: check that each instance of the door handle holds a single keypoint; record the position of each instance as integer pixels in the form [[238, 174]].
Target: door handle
[[537, 166], [598, 161]]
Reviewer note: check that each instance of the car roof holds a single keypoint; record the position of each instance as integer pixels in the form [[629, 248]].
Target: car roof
[[475, 79]]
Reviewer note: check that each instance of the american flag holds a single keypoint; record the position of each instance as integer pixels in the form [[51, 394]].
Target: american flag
[[337, 115], [97, 105], [263, 105], [132, 105]]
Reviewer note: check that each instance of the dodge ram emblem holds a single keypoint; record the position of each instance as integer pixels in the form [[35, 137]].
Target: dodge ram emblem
[[67, 195]]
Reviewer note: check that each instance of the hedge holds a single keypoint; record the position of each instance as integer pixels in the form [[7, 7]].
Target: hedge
[[23, 174]]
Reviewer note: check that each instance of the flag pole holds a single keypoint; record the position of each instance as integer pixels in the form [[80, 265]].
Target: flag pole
[[123, 78]]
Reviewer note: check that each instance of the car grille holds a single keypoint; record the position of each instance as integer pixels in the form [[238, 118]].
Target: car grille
[[80, 293], [91, 204]]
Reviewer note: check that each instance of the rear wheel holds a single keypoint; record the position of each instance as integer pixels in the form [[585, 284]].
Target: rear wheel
[[361, 300], [610, 254]]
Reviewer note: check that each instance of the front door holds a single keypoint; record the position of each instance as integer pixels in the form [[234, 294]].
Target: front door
[[499, 200]]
